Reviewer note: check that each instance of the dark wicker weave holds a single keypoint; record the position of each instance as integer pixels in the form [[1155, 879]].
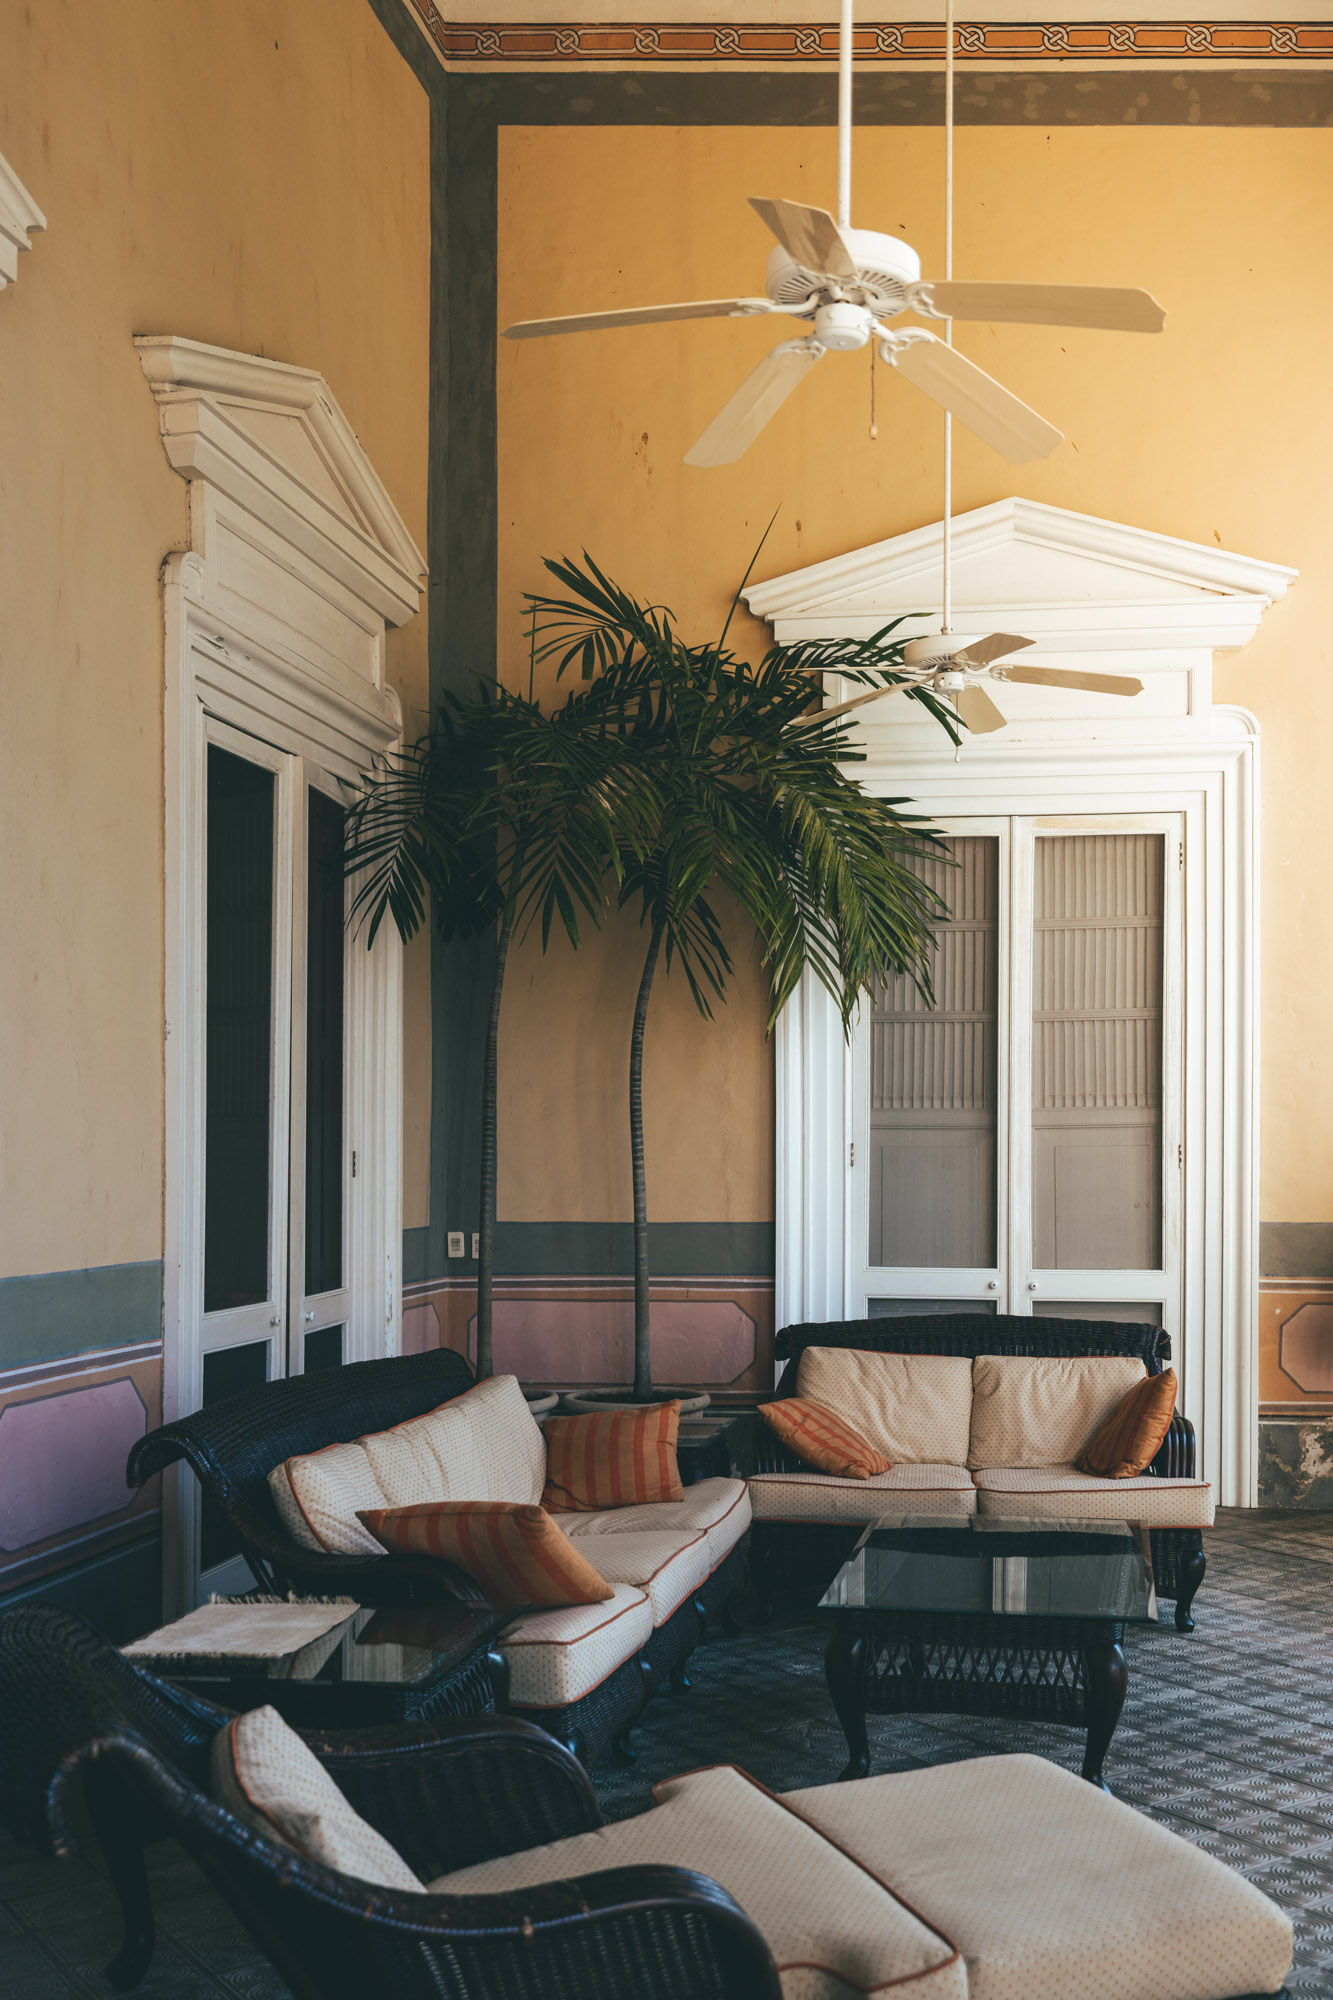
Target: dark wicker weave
[[460, 1794], [234, 1444], [805, 1556]]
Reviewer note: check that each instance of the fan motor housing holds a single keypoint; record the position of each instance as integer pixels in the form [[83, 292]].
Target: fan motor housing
[[886, 266]]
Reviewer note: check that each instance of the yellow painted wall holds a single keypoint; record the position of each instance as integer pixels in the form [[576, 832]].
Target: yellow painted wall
[[1219, 431], [253, 174]]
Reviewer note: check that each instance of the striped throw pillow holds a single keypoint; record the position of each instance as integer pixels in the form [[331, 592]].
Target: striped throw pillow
[[1132, 1435], [820, 1437], [622, 1458], [514, 1551]]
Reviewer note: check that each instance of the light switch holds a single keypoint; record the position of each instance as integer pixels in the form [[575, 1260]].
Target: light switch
[[455, 1243]]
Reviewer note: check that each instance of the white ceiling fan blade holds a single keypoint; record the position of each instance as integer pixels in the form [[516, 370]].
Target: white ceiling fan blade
[[760, 396], [971, 395], [533, 329], [1118, 308], [810, 235], [856, 701], [1090, 683], [982, 651], [978, 711]]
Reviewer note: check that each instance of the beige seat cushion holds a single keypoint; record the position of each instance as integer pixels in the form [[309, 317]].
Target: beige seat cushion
[[667, 1568], [268, 1779], [557, 1657], [721, 1507], [915, 1408], [1052, 1889], [833, 1928], [483, 1445], [1041, 1410], [317, 1497], [944, 1490], [1060, 1493]]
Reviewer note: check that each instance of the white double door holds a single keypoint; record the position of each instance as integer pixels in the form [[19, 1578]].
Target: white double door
[[1018, 1144], [275, 1163]]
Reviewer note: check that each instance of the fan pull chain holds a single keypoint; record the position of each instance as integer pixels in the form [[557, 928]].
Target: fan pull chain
[[874, 427]]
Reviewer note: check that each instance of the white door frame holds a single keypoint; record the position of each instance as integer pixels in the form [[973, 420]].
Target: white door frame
[[1148, 605], [275, 623], [1211, 782]]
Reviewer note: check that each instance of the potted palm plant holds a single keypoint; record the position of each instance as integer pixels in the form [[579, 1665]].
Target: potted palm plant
[[750, 790], [503, 815]]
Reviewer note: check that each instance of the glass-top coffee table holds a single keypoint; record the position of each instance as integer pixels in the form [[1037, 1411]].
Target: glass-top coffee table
[[413, 1663], [980, 1617]]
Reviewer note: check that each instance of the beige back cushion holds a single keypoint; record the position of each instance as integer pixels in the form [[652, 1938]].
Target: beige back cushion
[[268, 1779], [317, 1497], [483, 1445], [915, 1408], [1039, 1410]]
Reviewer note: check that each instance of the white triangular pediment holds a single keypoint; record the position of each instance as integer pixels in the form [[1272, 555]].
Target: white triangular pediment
[[269, 439], [1077, 584]]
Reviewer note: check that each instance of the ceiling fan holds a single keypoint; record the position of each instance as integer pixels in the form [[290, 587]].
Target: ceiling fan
[[955, 665], [844, 283]]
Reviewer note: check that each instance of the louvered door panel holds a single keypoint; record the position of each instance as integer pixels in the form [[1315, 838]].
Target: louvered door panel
[[1097, 1051], [933, 1083]]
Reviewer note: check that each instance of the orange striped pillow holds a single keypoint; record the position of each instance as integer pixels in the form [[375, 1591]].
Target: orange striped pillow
[[1131, 1437], [516, 1553], [622, 1458], [820, 1437]]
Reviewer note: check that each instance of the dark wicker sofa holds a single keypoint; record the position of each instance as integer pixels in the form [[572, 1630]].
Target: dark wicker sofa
[[804, 1557], [233, 1445]]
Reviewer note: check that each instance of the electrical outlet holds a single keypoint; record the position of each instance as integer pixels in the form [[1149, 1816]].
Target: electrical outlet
[[455, 1243], [476, 1244]]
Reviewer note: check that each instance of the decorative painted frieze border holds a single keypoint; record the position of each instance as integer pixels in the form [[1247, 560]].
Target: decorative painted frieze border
[[1011, 43]]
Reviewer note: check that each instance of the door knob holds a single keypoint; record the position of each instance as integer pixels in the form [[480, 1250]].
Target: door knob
[[1032, 1284]]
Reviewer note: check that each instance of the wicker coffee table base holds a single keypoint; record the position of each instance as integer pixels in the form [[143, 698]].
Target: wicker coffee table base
[[1063, 1670]]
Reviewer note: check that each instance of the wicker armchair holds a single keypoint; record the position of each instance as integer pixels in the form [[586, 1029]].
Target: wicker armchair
[[466, 1792], [806, 1557]]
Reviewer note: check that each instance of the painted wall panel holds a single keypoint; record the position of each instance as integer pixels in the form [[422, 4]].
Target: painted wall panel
[[254, 175]]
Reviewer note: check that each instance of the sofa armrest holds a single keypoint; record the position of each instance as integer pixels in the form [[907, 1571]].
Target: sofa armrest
[[1176, 1457], [461, 1791]]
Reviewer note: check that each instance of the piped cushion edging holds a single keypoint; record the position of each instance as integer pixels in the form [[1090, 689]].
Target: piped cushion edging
[[1053, 1889], [1132, 1435], [557, 1657], [822, 1439], [1060, 1493], [667, 1568], [720, 1506], [615, 1458], [833, 1924], [273, 1783], [516, 1553], [819, 1497]]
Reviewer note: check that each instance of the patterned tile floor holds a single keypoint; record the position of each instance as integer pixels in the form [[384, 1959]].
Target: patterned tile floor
[[1227, 1737]]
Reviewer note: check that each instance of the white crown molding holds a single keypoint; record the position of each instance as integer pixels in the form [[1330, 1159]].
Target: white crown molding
[[205, 396], [20, 217], [1084, 584]]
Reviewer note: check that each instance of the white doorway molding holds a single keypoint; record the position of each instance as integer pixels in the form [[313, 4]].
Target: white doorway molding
[[275, 623], [1155, 607]]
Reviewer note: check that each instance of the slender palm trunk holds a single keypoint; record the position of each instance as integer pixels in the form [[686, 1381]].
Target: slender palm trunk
[[643, 1360], [489, 1093]]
